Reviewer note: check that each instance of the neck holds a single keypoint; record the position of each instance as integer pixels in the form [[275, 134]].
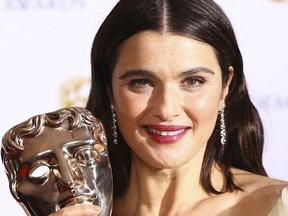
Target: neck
[[163, 191]]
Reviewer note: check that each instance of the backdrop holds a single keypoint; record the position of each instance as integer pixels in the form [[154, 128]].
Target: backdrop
[[45, 64]]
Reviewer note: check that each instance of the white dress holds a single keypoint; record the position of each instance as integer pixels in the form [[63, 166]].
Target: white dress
[[281, 207]]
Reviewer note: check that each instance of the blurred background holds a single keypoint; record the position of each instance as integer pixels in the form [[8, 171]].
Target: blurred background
[[45, 65]]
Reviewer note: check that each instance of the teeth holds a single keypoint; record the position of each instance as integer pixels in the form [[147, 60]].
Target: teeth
[[165, 133]]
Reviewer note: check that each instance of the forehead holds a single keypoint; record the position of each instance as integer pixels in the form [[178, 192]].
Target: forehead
[[165, 50], [53, 140]]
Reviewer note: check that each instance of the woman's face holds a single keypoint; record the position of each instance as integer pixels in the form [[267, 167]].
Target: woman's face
[[167, 92]]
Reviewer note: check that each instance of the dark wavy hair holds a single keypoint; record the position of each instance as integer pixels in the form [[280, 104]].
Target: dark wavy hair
[[202, 20]]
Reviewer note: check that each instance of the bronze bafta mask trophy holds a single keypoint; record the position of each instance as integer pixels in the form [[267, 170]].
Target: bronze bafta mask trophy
[[58, 159]]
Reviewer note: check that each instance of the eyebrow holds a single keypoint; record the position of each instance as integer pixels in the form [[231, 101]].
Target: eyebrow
[[198, 70], [31, 158], [137, 72], [149, 74], [78, 143]]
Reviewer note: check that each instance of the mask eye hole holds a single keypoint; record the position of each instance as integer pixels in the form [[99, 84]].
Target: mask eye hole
[[39, 174]]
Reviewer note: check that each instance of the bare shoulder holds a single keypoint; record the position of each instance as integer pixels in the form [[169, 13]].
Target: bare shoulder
[[251, 183], [260, 193], [258, 196]]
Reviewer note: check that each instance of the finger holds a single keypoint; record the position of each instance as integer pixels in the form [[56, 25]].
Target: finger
[[77, 210]]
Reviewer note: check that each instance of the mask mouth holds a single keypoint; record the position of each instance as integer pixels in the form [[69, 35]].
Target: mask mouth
[[81, 199]]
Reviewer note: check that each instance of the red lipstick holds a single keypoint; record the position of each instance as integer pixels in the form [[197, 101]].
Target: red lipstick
[[166, 134]]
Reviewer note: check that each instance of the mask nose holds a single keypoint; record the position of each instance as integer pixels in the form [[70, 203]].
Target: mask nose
[[68, 175]]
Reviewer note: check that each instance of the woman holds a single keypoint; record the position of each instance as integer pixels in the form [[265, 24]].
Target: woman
[[184, 137]]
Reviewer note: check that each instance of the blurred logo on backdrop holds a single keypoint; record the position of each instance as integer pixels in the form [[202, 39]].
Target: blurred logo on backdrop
[[42, 4], [74, 92], [271, 102]]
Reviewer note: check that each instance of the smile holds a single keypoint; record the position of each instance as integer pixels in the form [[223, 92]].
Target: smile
[[166, 134]]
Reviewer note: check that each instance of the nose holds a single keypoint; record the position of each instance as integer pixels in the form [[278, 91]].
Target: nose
[[69, 176], [168, 103]]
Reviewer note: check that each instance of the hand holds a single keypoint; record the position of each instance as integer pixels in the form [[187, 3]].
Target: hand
[[77, 210]]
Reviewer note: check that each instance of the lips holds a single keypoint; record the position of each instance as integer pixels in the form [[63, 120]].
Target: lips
[[81, 199], [166, 134]]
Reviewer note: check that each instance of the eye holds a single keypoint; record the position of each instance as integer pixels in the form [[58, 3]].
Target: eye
[[39, 171], [39, 174], [140, 83], [193, 82], [86, 155]]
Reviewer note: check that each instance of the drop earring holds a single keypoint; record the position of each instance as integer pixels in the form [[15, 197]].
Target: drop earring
[[222, 125], [114, 125]]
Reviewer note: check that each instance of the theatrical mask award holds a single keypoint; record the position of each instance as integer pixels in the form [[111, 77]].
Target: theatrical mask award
[[58, 159]]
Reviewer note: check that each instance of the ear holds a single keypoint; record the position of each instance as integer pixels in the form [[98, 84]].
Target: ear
[[226, 87]]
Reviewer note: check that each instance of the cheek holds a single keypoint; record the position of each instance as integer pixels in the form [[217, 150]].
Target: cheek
[[204, 109], [207, 107], [129, 105], [129, 110]]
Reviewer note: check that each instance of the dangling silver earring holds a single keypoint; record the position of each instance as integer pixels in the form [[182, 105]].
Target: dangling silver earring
[[222, 125], [114, 125]]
